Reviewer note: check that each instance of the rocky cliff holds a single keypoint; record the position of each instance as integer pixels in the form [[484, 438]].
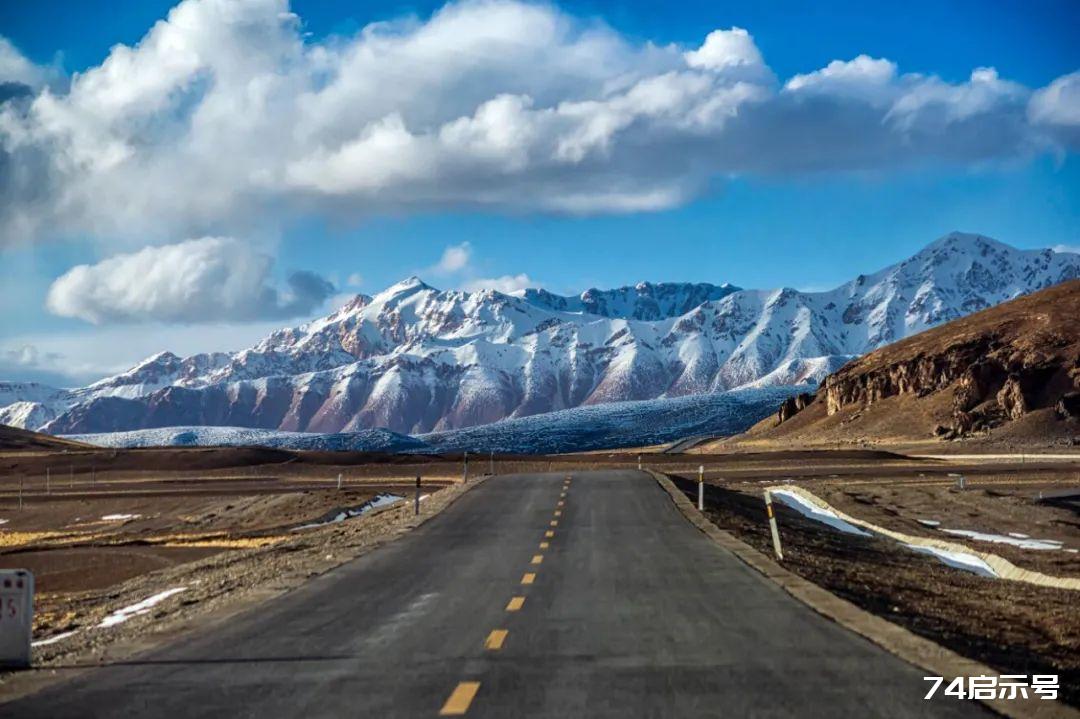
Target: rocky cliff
[[994, 367]]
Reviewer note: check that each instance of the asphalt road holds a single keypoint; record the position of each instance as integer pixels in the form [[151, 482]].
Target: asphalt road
[[631, 613]]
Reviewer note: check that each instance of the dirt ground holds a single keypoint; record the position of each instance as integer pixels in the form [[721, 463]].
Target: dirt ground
[[104, 529], [1013, 627]]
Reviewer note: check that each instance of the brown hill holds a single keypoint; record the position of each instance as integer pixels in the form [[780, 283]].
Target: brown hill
[[13, 438], [1010, 374]]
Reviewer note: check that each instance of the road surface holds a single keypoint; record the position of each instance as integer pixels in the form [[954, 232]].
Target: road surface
[[509, 604]]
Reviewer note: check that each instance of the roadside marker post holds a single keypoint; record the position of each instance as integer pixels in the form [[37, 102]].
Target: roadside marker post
[[417, 503], [772, 526], [48, 480], [20, 492], [959, 480], [639, 462], [701, 487], [17, 616], [465, 474], [491, 462], [339, 480]]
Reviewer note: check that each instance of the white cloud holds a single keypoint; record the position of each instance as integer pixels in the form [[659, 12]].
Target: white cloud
[[727, 50], [211, 279], [226, 119], [1075, 249], [1058, 103], [355, 280], [15, 68], [864, 78], [454, 259], [506, 284]]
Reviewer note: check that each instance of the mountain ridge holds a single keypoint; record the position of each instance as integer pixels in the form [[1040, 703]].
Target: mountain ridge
[[415, 359]]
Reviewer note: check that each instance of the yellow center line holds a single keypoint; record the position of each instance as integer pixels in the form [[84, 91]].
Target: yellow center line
[[563, 494], [460, 699], [554, 523], [560, 503], [558, 512], [544, 545], [528, 578], [537, 558], [549, 534], [495, 639], [515, 604]]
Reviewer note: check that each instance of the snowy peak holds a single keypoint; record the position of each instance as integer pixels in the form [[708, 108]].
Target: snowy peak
[[644, 301], [417, 359]]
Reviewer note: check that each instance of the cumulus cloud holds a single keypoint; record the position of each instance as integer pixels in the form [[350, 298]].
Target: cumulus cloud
[[506, 284], [454, 259], [225, 115], [211, 279]]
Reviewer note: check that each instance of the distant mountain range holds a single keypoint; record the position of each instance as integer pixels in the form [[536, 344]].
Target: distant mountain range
[[416, 360]]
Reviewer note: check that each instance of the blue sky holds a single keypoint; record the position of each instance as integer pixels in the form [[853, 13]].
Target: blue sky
[[681, 209]]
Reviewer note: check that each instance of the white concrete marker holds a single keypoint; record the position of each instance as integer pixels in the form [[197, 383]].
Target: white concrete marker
[[17, 606], [772, 526], [701, 488], [339, 481]]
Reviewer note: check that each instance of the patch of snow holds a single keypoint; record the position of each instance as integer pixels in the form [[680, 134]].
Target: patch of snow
[[1019, 536], [3, 521], [1021, 541], [809, 509], [957, 560], [382, 500], [929, 522], [119, 517], [54, 639], [122, 615], [819, 514]]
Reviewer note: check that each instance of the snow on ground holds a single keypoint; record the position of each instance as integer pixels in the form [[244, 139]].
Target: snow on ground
[[122, 615], [618, 424], [382, 500], [1016, 540], [369, 440], [54, 639], [119, 517], [811, 510], [600, 426], [819, 514], [3, 521], [957, 560], [929, 522]]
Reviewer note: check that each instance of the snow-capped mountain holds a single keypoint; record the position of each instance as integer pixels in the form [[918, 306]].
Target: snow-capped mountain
[[415, 359]]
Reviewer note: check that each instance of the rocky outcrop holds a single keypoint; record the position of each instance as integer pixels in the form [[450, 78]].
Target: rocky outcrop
[[1068, 407], [999, 365], [792, 405]]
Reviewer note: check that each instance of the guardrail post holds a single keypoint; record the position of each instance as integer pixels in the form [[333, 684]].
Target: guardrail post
[[772, 526]]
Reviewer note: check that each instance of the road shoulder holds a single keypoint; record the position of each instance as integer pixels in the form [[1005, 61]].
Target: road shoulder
[[916, 650], [222, 592]]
